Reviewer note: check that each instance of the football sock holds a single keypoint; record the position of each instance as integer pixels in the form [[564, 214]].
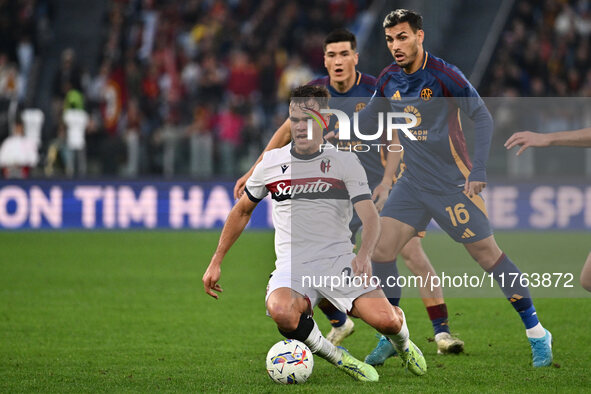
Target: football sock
[[536, 331], [400, 340], [308, 332], [383, 271], [335, 316], [438, 316], [508, 277], [321, 346], [303, 330]]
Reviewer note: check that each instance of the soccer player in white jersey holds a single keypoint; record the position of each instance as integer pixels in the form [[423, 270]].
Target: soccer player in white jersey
[[350, 90], [313, 193]]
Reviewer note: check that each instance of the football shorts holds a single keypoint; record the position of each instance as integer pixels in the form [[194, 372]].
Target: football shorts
[[330, 278], [461, 217]]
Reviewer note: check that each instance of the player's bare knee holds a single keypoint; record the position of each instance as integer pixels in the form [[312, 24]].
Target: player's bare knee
[[485, 252], [286, 317], [388, 323]]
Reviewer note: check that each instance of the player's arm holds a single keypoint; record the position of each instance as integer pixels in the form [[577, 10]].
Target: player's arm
[[483, 126], [525, 139], [380, 193], [370, 234], [356, 183], [470, 102], [235, 224], [280, 138]]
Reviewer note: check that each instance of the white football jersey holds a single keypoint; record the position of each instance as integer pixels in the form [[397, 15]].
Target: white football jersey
[[313, 199]]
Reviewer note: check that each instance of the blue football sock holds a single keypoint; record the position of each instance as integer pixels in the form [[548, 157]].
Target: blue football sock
[[507, 274], [438, 316], [335, 316], [383, 271]]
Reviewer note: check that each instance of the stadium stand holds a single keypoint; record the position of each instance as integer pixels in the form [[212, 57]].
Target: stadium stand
[[195, 88], [181, 85]]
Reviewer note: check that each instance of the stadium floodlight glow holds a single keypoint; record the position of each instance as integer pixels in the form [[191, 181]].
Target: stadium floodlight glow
[[345, 124]]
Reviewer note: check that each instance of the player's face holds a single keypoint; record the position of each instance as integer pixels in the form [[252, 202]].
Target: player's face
[[405, 45], [340, 61], [299, 113]]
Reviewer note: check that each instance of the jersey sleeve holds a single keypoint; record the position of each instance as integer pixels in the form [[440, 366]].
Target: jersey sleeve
[[255, 187], [369, 116], [470, 102], [356, 180], [465, 95]]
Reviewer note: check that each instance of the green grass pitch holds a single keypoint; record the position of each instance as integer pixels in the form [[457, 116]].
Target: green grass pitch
[[126, 312]]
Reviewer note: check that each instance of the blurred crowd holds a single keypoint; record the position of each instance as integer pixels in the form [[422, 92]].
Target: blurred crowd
[[24, 30], [197, 87], [544, 51], [187, 87]]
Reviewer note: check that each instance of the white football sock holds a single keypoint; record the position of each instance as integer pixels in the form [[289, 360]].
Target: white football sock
[[536, 331], [322, 347], [401, 340]]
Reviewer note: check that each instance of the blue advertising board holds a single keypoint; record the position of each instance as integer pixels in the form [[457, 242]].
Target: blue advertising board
[[205, 205]]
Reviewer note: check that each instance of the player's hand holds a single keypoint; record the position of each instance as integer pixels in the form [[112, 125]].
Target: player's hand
[[239, 186], [361, 266], [332, 137], [525, 139], [380, 195], [211, 278], [473, 188]]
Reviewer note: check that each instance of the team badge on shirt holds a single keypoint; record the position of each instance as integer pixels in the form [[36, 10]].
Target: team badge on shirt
[[325, 165], [411, 109], [426, 94]]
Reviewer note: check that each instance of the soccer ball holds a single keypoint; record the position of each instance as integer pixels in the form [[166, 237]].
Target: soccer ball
[[289, 362]]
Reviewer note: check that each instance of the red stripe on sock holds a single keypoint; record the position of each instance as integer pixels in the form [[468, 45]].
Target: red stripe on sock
[[310, 311], [437, 311]]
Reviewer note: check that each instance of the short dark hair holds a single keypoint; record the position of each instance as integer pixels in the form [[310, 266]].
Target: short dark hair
[[340, 35], [414, 19], [303, 94]]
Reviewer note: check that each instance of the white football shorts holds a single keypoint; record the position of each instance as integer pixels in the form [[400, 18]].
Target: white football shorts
[[330, 278]]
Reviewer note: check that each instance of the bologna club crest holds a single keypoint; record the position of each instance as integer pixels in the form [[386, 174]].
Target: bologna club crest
[[325, 165]]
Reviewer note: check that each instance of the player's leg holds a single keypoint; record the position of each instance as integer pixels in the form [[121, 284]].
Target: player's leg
[[342, 325], [586, 274], [389, 320], [285, 307], [466, 221], [395, 233], [402, 217], [490, 257], [393, 236], [292, 312], [418, 263]]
